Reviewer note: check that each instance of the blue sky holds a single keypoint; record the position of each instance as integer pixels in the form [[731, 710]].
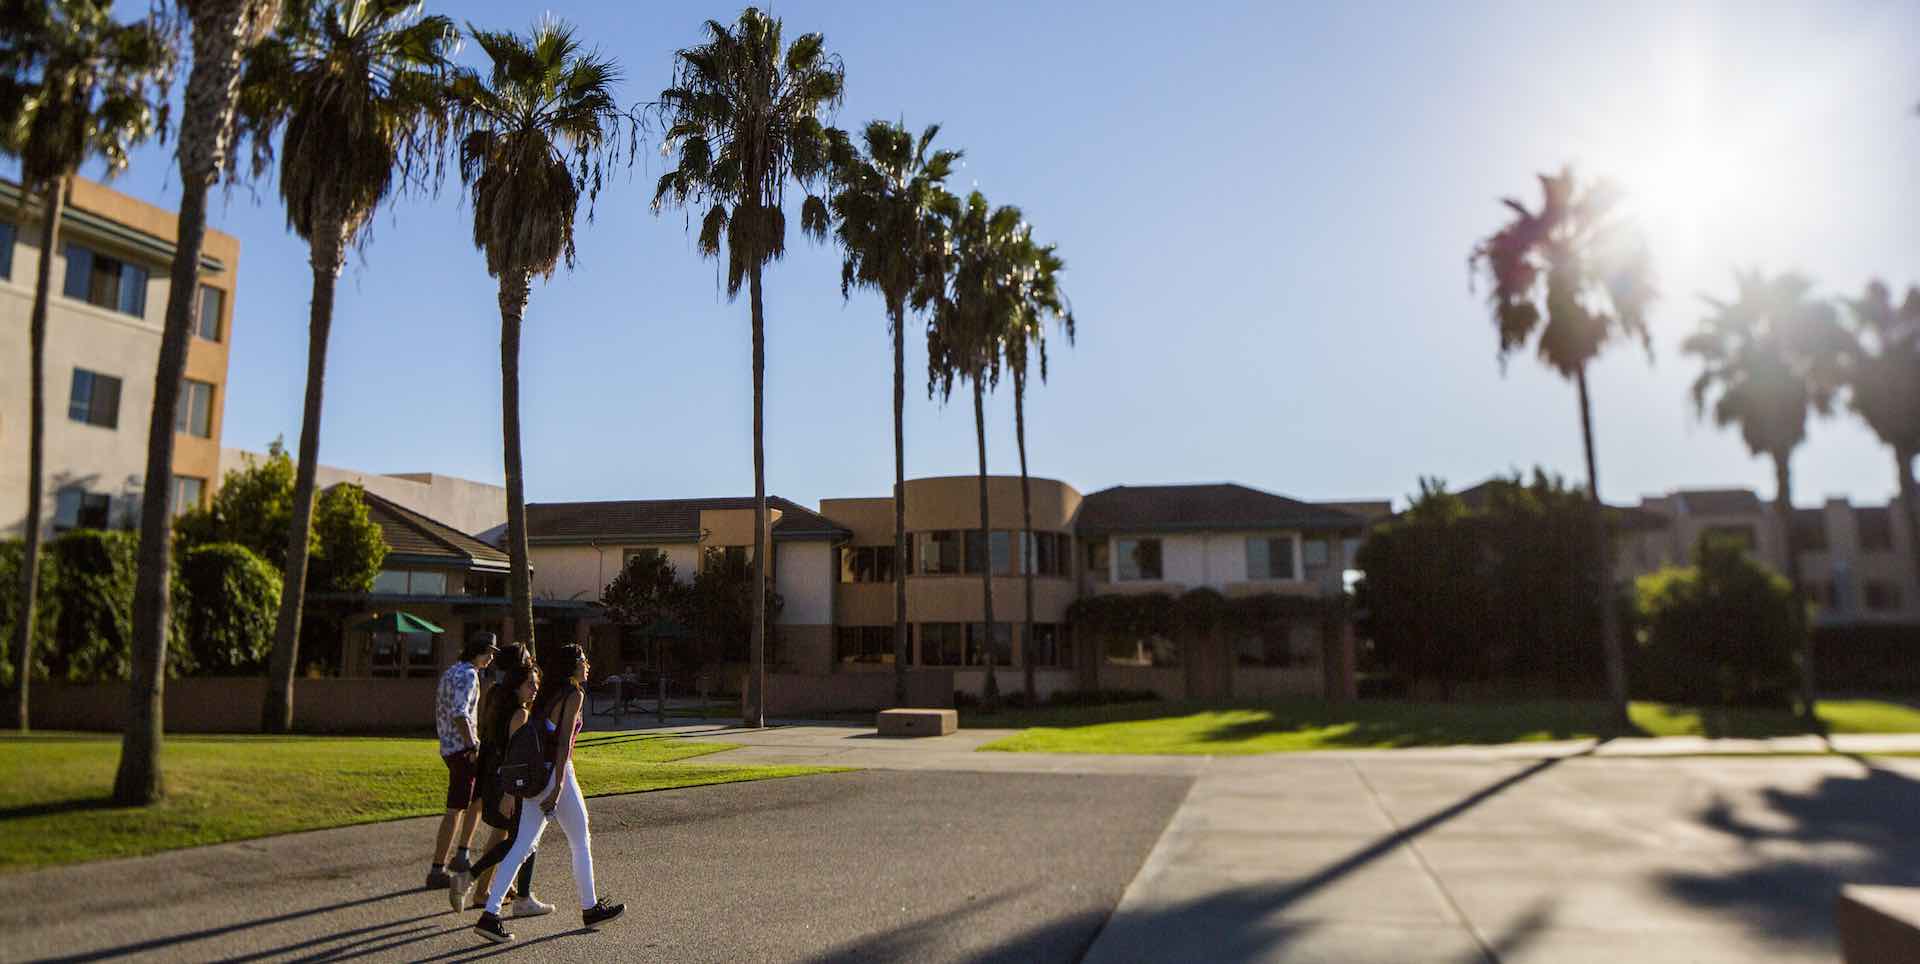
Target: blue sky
[[1265, 209]]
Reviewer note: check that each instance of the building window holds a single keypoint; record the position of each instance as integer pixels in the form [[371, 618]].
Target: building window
[[95, 399], [1002, 644], [940, 644], [1049, 645], [427, 583], [866, 564], [1270, 558], [1051, 548], [1139, 560], [1740, 535], [404, 654], [195, 414], [1150, 650], [1876, 529], [80, 509], [207, 322], [1099, 561], [410, 582], [8, 234], [1315, 556], [391, 582], [109, 283], [490, 584], [975, 559], [187, 491], [865, 644], [940, 553], [1881, 597]]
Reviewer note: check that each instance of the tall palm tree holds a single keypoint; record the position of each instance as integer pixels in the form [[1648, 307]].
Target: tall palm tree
[[1578, 277], [743, 121], [1771, 356], [221, 30], [1036, 296], [966, 342], [75, 85], [893, 242], [360, 89], [1883, 376], [537, 133]]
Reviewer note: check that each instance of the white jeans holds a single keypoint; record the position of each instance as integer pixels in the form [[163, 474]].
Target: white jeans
[[570, 811]]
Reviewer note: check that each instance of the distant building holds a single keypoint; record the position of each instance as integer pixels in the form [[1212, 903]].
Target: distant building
[[104, 320]]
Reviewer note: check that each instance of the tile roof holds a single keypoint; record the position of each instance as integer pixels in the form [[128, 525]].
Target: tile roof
[[1718, 501], [663, 519], [1209, 506], [408, 533]]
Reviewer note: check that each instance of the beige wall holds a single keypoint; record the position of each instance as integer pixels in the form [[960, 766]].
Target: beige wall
[[804, 577], [732, 527], [472, 507], [80, 335]]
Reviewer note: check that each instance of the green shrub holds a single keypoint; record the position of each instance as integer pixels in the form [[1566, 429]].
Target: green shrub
[[1718, 632], [91, 604], [231, 599], [11, 551]]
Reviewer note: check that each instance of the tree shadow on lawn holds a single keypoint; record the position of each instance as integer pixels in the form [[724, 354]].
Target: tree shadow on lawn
[[1385, 725], [1800, 847], [51, 807]]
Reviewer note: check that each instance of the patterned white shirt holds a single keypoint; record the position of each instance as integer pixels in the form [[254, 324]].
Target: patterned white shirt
[[454, 714]]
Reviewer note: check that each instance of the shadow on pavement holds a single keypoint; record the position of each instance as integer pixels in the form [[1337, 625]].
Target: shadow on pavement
[[188, 937], [1801, 847]]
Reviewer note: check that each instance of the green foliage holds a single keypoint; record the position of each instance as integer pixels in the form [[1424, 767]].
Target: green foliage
[[647, 591], [720, 609], [233, 597], [253, 507], [1501, 592], [1719, 632], [1883, 371], [75, 85], [350, 548], [1769, 358], [91, 609], [11, 551]]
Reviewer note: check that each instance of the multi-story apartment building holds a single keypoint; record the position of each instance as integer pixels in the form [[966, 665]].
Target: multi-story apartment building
[[1854, 560], [104, 319]]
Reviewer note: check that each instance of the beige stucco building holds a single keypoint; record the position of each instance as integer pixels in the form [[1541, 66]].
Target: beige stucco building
[[104, 319]]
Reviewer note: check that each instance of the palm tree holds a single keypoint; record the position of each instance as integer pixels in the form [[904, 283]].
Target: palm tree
[[1036, 295], [894, 242], [1579, 278], [743, 120], [1884, 377], [537, 133], [75, 85], [222, 30], [1770, 357], [360, 87], [966, 341]]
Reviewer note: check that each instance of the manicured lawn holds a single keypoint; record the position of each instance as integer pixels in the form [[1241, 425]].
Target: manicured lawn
[[54, 787], [1293, 726]]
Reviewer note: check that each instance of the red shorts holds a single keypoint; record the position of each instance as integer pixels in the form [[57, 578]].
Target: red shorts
[[460, 775]]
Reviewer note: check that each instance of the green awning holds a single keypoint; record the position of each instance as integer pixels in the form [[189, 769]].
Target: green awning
[[398, 622]]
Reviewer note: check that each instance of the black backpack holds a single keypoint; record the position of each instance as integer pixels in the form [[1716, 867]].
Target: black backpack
[[525, 767]]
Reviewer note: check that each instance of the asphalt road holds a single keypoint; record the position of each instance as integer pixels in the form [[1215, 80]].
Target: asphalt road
[[872, 865]]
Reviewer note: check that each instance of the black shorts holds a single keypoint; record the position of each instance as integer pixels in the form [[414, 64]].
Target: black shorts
[[460, 774]]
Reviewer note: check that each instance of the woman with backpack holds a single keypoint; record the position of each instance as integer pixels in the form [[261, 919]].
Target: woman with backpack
[[507, 706], [556, 717]]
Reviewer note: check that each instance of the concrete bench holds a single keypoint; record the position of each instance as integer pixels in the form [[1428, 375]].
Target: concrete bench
[[1879, 925], [918, 722]]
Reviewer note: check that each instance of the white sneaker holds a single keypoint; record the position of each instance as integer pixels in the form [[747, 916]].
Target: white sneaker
[[457, 890], [531, 906]]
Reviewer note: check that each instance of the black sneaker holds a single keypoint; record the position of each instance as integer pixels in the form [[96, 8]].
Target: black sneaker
[[438, 880], [601, 912], [489, 927]]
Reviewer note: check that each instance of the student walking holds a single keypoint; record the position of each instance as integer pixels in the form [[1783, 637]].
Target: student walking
[[556, 710], [456, 722], [507, 707]]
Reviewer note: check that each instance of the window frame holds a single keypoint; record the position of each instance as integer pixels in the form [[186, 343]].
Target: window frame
[[84, 280], [185, 415], [200, 319], [93, 409], [179, 506], [1125, 557]]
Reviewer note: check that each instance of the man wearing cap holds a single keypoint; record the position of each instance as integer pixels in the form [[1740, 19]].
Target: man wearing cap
[[456, 718]]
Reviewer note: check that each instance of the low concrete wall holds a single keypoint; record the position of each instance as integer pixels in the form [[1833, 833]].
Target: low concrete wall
[[1168, 681], [232, 705], [1012, 679], [794, 694], [1261, 682]]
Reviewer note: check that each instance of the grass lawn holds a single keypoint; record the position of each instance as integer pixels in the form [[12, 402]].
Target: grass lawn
[[54, 787], [1297, 725]]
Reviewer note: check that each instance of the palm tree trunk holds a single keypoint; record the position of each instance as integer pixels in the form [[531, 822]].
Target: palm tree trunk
[[1615, 660], [757, 656], [325, 253], [901, 643], [515, 284], [206, 127], [990, 692], [1783, 516], [1026, 532], [1910, 506], [56, 202]]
